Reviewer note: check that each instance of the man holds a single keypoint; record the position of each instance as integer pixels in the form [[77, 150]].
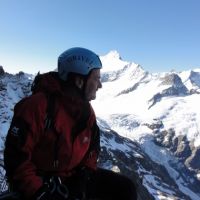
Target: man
[[53, 143]]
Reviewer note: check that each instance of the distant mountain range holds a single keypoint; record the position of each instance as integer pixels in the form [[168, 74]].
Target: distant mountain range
[[149, 123]]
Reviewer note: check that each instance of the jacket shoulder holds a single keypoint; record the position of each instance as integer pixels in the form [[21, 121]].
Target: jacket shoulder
[[33, 103]]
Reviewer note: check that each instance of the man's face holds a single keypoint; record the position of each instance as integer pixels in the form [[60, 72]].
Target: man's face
[[93, 84]]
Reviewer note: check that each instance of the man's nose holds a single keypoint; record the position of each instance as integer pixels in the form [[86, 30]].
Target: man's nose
[[100, 84]]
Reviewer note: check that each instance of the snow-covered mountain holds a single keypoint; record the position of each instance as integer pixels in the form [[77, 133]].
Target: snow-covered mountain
[[149, 125]]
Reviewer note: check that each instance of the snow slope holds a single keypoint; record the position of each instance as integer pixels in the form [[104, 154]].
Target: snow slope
[[149, 122]]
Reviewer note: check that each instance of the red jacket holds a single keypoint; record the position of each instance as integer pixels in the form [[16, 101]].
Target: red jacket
[[31, 151]]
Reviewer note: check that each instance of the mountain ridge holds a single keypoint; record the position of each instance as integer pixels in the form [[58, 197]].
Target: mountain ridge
[[148, 121]]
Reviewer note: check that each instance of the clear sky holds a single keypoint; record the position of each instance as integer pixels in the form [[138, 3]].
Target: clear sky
[[160, 35]]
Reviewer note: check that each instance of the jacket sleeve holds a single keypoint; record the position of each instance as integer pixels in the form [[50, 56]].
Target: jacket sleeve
[[20, 141]]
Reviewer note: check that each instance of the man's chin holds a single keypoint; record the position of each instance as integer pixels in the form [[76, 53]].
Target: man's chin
[[91, 98]]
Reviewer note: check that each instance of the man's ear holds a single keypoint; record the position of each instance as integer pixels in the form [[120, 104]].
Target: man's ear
[[79, 82]]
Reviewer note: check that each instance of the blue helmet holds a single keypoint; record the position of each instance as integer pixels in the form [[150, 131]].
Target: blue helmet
[[77, 60]]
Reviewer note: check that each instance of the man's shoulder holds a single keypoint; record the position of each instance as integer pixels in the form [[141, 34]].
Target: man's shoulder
[[33, 101]]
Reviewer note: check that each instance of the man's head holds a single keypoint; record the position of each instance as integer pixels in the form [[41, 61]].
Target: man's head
[[85, 67]]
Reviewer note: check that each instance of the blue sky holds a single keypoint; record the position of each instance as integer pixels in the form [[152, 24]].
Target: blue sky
[[160, 35]]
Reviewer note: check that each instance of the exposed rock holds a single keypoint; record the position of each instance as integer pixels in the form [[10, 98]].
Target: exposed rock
[[174, 90], [194, 160], [138, 166], [183, 150], [21, 73], [195, 78], [2, 86], [154, 126], [171, 79], [2, 72], [194, 91]]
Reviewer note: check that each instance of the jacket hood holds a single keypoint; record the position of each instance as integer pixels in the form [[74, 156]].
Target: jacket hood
[[47, 83], [69, 95]]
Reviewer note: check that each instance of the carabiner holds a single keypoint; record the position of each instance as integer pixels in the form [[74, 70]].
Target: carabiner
[[63, 191]]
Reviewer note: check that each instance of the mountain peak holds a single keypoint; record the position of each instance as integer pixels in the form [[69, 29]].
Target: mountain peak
[[2, 72], [114, 54]]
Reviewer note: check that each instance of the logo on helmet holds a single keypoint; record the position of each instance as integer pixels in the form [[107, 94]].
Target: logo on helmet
[[80, 58]]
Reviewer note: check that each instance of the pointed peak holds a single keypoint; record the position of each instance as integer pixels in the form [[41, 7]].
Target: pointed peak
[[2, 72], [114, 54]]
